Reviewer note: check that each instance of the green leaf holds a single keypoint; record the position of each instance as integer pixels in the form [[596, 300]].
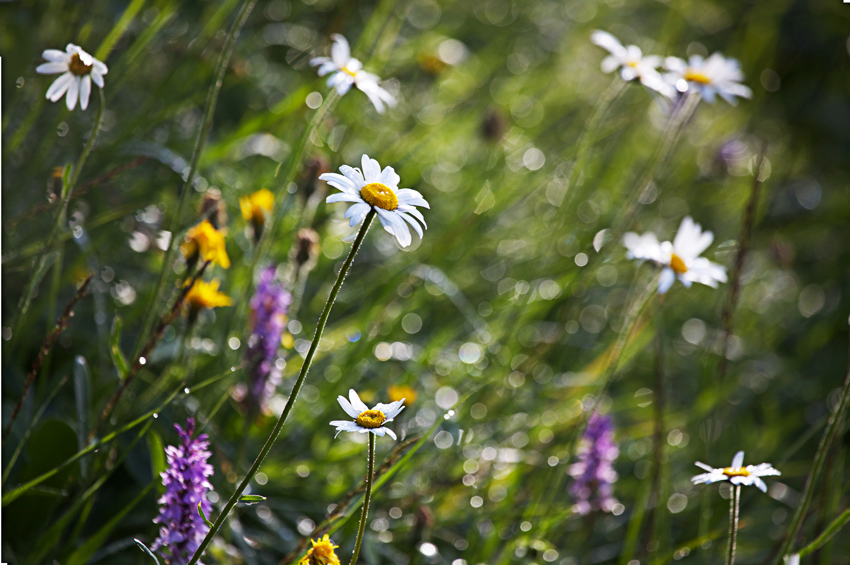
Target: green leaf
[[82, 555], [157, 458], [203, 516], [251, 498], [144, 548], [115, 349]]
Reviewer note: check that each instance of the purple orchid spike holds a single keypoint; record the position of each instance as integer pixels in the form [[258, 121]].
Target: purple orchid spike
[[594, 470]]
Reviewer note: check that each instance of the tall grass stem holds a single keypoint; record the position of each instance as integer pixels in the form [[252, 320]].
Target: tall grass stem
[[293, 396]]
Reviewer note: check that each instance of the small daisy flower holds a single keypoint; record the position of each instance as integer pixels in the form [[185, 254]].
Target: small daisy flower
[[322, 553], [737, 474], [346, 71], [79, 70], [366, 419], [206, 242], [679, 259], [633, 64], [708, 77], [372, 188]]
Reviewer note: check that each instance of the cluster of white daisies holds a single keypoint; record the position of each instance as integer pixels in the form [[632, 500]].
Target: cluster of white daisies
[[715, 76]]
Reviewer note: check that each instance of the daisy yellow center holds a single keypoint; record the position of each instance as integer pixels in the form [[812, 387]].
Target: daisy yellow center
[[677, 264], [694, 75], [632, 64], [380, 195], [77, 67], [322, 554], [349, 72], [371, 419], [736, 472]]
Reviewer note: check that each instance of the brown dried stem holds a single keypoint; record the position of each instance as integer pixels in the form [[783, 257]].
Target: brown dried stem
[[141, 359], [61, 324]]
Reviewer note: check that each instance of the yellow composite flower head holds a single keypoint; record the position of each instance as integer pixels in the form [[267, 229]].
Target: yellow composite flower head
[[256, 206], [322, 553], [207, 242], [206, 295], [399, 392]]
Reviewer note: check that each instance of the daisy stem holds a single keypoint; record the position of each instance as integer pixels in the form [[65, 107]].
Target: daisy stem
[[293, 396], [200, 142], [370, 477], [833, 426], [69, 180], [734, 510]]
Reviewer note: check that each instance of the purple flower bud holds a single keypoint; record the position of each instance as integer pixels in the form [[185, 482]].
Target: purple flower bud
[[268, 318], [186, 485], [594, 471]]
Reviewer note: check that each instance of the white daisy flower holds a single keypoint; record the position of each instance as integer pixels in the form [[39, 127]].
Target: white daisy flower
[[367, 419], [79, 70], [715, 75], [633, 64], [737, 474], [348, 71], [680, 259], [372, 188]]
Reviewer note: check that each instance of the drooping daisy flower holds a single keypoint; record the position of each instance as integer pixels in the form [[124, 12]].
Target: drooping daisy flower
[[255, 207], [594, 472], [78, 70], [205, 242], [322, 553], [633, 64], [372, 188], [737, 474], [680, 259], [186, 484], [348, 71], [715, 75], [367, 419]]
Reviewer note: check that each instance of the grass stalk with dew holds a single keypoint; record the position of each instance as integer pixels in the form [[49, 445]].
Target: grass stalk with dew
[[293, 395], [69, 181], [188, 184], [734, 513]]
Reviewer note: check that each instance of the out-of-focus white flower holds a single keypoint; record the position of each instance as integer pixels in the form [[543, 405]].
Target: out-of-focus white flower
[[346, 71], [632, 63], [716, 75], [79, 70], [679, 259], [372, 188], [367, 419], [737, 474]]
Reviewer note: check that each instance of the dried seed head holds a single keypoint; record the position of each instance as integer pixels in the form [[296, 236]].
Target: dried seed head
[[307, 244], [213, 208], [493, 126], [313, 168]]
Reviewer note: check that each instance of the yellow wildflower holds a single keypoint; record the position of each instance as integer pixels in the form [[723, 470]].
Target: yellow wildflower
[[397, 392], [206, 295], [256, 206], [206, 242], [322, 553]]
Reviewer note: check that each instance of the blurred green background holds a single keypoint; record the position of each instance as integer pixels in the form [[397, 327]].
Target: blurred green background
[[503, 312]]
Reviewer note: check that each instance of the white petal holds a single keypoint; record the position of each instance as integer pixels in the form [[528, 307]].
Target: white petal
[[357, 213], [356, 403], [395, 225], [73, 93], [390, 433], [339, 181], [704, 466], [610, 64], [97, 78], [379, 431], [55, 56], [738, 460], [371, 169], [59, 87], [354, 175], [51, 68], [85, 91], [413, 223], [413, 212], [318, 61], [346, 405], [410, 197], [668, 277], [340, 52], [690, 240], [760, 484], [608, 42], [99, 67], [343, 197], [390, 178]]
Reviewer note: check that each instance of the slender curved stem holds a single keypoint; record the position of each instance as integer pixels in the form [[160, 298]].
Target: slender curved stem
[[370, 478], [832, 428], [734, 511], [293, 396], [68, 184], [200, 142]]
